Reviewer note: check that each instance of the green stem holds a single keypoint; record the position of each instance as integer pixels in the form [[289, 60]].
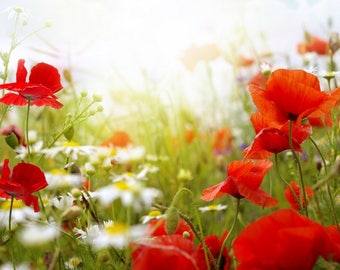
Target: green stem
[[328, 188], [230, 231], [10, 215], [303, 196], [26, 128]]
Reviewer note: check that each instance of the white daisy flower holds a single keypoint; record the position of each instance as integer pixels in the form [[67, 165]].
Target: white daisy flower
[[112, 234], [34, 149], [131, 193], [20, 213], [213, 207], [73, 263], [9, 266], [58, 179], [38, 234], [127, 155], [154, 214], [70, 149]]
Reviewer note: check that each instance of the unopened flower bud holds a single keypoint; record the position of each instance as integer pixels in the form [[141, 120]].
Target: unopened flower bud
[[12, 140], [186, 235], [68, 133], [334, 42], [76, 193], [172, 220], [97, 98]]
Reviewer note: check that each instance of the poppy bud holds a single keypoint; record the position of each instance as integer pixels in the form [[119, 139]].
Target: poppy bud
[[172, 220], [12, 140], [68, 133]]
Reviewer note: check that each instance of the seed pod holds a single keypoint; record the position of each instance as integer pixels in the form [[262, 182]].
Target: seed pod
[[12, 140]]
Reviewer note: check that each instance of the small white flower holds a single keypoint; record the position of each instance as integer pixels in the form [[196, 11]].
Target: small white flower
[[38, 234], [62, 202], [131, 193], [213, 207], [73, 263], [154, 214], [9, 266], [112, 234], [58, 179], [34, 149], [127, 155], [20, 213], [70, 149]]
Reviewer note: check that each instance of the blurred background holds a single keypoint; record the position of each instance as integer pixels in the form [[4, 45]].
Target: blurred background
[[111, 46]]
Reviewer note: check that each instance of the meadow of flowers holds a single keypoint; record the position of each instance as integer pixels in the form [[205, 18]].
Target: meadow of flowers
[[255, 189]]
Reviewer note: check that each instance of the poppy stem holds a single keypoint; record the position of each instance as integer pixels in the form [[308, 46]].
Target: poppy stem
[[303, 196], [286, 182], [230, 231], [10, 215], [26, 128], [329, 193]]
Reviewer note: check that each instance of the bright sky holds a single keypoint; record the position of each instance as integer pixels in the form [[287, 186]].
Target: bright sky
[[112, 41]]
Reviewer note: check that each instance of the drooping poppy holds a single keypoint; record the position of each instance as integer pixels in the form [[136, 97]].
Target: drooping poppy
[[291, 199], [43, 83], [283, 240], [269, 141], [292, 95], [24, 180], [243, 181], [313, 44], [214, 244], [118, 139], [166, 252]]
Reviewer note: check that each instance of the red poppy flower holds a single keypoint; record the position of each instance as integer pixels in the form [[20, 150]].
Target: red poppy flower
[[157, 227], [283, 240], [214, 244], [313, 44], [269, 141], [165, 252], [25, 179], [291, 199], [334, 235], [292, 95], [243, 181], [43, 83], [118, 139], [222, 141]]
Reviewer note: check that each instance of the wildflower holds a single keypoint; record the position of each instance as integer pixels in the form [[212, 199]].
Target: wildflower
[[22, 182], [280, 100], [214, 244], [164, 252], [38, 234], [127, 155], [118, 139], [243, 181], [131, 193], [20, 213], [313, 44], [154, 214], [282, 240], [291, 198], [184, 175], [70, 149], [22, 151], [213, 208], [61, 179], [111, 234], [43, 83], [222, 141], [269, 141]]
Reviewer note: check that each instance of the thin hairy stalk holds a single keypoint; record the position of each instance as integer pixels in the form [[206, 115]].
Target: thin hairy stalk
[[26, 129], [303, 196], [328, 188], [286, 182], [230, 231]]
